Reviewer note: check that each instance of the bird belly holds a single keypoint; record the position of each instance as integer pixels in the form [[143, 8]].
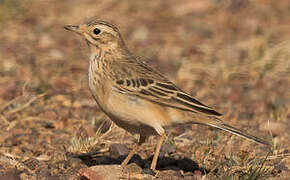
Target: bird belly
[[136, 115]]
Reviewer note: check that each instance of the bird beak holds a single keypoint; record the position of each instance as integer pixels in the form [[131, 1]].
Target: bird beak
[[72, 28]]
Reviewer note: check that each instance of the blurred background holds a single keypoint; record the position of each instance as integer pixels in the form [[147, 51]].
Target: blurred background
[[232, 55]]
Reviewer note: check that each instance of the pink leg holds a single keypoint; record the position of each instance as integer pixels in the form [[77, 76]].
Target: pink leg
[[156, 154], [133, 151]]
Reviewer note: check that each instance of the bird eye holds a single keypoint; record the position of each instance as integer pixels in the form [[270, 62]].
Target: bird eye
[[96, 31]]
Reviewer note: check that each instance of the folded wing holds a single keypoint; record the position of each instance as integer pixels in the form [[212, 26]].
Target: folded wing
[[152, 86]]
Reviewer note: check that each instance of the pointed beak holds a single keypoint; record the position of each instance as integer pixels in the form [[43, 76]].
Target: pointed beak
[[73, 28]]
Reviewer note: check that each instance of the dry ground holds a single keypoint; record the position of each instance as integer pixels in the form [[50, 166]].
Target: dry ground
[[232, 55]]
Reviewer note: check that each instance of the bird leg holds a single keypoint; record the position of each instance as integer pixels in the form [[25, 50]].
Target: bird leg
[[156, 154], [132, 152]]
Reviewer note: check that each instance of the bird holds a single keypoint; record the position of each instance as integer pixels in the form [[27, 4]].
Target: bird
[[135, 96]]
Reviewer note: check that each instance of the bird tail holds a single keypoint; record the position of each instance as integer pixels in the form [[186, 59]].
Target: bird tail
[[220, 125]]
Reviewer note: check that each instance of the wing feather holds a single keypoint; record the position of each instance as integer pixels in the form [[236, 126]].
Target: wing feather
[[165, 93], [143, 81]]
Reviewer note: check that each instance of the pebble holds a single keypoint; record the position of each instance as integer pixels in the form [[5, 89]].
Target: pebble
[[112, 172], [117, 150], [132, 168]]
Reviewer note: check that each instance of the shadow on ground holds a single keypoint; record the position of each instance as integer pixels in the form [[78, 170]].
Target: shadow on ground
[[163, 164]]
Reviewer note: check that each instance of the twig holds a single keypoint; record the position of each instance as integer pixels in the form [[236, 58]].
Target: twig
[[26, 105]]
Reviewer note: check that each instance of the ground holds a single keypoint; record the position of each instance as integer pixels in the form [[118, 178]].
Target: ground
[[230, 55]]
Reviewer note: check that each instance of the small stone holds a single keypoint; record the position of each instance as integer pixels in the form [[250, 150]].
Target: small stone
[[170, 173], [74, 162], [90, 174], [132, 168], [117, 150], [112, 172]]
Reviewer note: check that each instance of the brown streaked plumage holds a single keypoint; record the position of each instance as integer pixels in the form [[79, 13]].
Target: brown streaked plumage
[[137, 97]]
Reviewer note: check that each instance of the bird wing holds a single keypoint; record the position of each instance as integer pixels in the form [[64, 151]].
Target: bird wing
[[149, 84]]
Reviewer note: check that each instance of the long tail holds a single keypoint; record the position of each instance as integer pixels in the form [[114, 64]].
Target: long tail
[[217, 123]]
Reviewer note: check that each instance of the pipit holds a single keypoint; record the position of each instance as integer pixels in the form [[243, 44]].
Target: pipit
[[135, 96]]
